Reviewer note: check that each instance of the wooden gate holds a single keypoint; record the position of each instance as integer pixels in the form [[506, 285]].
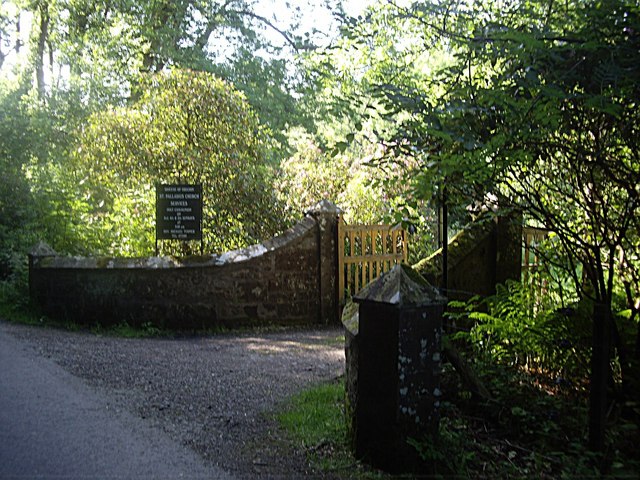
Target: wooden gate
[[365, 252]]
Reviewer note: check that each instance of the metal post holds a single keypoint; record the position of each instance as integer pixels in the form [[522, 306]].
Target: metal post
[[445, 242]]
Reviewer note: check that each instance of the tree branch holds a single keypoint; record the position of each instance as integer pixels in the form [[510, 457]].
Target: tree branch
[[285, 35]]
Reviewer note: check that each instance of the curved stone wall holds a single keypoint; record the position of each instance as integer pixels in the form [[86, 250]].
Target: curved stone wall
[[280, 281]]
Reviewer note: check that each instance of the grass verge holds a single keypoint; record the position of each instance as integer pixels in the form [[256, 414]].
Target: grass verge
[[315, 421]]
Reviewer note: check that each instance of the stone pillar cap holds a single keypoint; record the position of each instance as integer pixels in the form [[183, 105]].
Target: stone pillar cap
[[325, 206], [42, 249], [401, 286]]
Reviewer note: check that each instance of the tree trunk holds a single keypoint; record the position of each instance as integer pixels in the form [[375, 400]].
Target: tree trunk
[[637, 355], [599, 374], [469, 378], [635, 310], [43, 37]]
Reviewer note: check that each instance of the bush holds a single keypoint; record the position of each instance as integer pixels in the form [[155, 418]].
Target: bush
[[506, 329], [187, 127]]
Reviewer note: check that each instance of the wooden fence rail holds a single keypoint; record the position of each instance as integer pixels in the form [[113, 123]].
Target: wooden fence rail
[[365, 252], [531, 262], [532, 237]]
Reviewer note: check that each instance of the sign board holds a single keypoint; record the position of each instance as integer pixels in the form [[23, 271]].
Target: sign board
[[179, 212]]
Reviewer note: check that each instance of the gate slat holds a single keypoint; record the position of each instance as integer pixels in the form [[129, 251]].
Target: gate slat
[[360, 264]]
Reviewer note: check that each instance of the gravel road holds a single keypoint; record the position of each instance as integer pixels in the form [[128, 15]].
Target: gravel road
[[212, 394]]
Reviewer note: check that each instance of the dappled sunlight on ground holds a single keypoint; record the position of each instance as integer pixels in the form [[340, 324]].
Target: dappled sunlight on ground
[[333, 347]]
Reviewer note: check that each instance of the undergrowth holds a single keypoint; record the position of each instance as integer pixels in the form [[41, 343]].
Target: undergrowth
[[531, 428]]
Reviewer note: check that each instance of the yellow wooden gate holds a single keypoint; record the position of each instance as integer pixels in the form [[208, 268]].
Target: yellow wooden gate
[[365, 252]]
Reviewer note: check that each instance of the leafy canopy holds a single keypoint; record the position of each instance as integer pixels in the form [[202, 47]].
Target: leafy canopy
[[187, 127]]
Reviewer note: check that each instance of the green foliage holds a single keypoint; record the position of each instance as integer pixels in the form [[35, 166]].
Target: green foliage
[[187, 127], [368, 82], [314, 173], [447, 452], [101, 48], [536, 102], [14, 189], [315, 419], [13, 303], [508, 330], [310, 175], [271, 91], [349, 179], [532, 428], [34, 142]]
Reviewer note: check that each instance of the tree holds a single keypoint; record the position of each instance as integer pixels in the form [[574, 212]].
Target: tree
[[34, 138], [9, 28], [101, 48], [577, 168], [536, 103], [15, 199], [187, 127]]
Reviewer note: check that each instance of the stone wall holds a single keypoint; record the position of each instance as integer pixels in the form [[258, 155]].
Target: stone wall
[[486, 253], [284, 281], [288, 280]]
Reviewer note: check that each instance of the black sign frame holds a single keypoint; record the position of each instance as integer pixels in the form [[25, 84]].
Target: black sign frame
[[178, 212]]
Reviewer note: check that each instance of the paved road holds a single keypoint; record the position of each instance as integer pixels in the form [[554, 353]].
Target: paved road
[[52, 425]]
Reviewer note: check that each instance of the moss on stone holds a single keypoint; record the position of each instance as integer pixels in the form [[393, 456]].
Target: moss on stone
[[350, 317], [103, 262], [459, 247], [416, 275]]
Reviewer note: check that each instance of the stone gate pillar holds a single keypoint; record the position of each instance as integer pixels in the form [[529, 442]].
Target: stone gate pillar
[[392, 339], [326, 216]]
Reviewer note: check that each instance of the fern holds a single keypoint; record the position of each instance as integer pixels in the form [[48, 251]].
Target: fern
[[507, 330]]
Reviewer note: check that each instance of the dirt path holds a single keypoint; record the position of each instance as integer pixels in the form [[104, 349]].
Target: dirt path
[[211, 394]]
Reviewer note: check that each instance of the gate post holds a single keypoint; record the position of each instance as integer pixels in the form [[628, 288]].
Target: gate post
[[392, 341], [326, 215]]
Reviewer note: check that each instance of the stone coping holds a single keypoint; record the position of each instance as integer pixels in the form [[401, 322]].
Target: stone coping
[[43, 256]]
